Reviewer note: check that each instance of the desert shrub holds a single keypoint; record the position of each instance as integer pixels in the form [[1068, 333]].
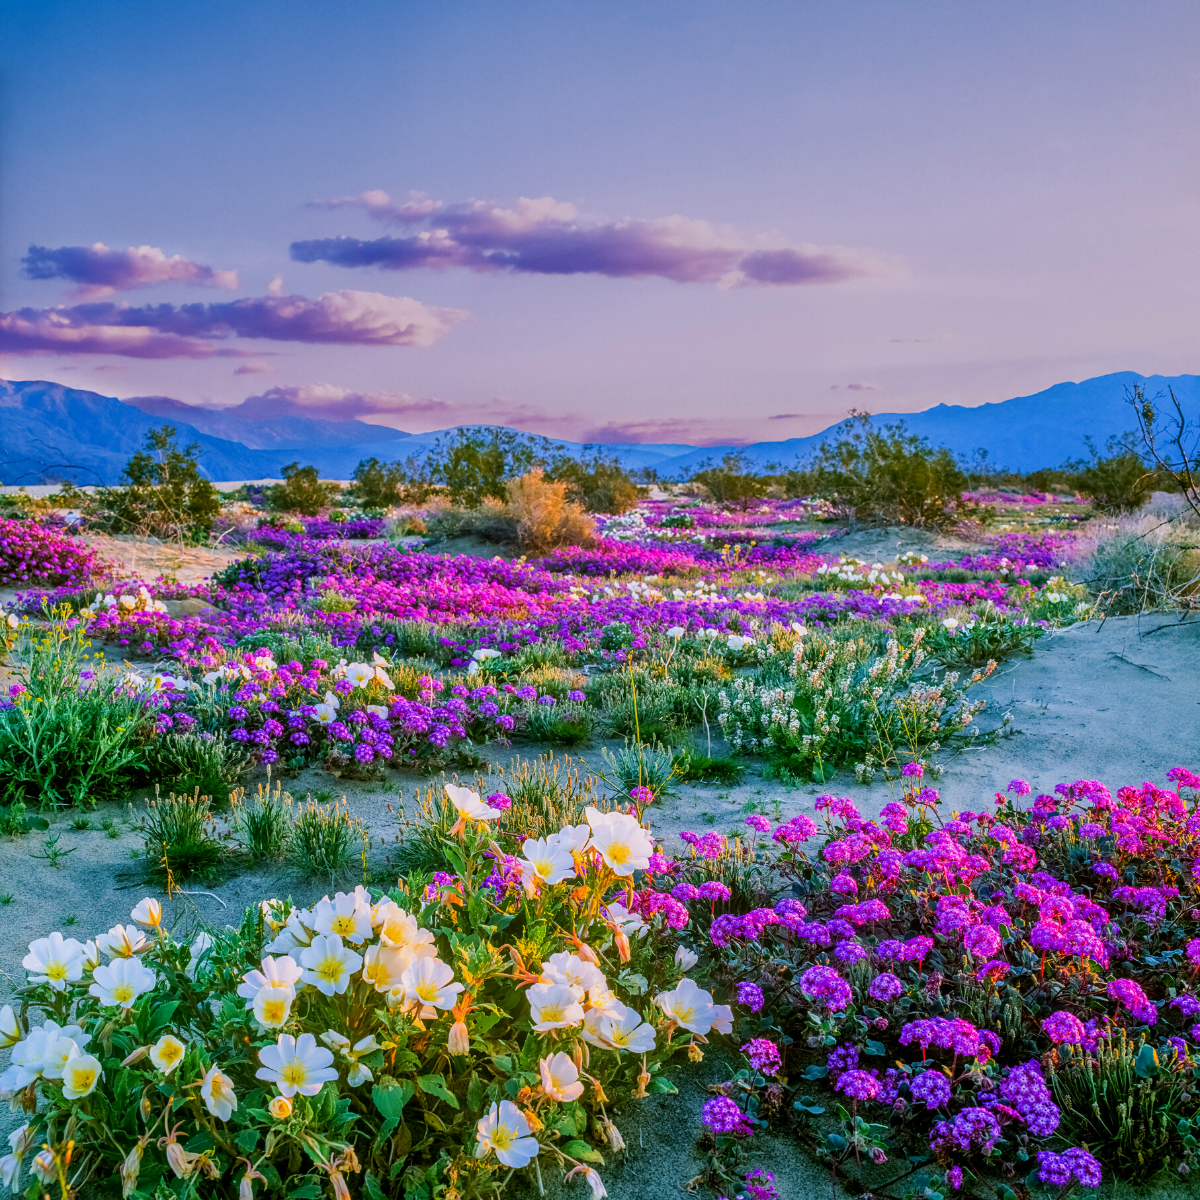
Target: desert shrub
[[887, 476], [640, 765], [263, 822], [326, 839], [1145, 562], [841, 702], [490, 521], [732, 482], [475, 464], [561, 724], [1117, 483], [192, 761], [379, 485], [73, 733], [599, 484], [700, 768], [179, 838], [638, 704], [301, 491], [166, 495], [545, 518], [173, 1082]]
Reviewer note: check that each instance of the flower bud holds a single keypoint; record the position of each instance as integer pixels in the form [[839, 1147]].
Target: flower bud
[[130, 1168], [588, 954], [459, 1041], [613, 1134], [136, 1056], [280, 1108], [695, 1054], [622, 945]]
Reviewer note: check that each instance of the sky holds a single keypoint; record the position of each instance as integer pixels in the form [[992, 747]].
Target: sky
[[670, 222]]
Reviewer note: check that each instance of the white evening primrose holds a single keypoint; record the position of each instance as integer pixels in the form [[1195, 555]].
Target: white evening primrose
[[686, 959], [167, 1053], [346, 915], [377, 710], [620, 840], [218, 1095], [722, 1018], [296, 1065], [360, 674], [689, 1006], [554, 1006], [296, 933], [429, 982], [676, 631], [324, 714], [505, 1133], [399, 929], [572, 838], [629, 923], [273, 1005], [560, 1078], [546, 861], [340, 1044], [484, 653], [58, 1052], [80, 1076], [121, 982], [54, 960], [328, 964], [10, 1027], [951, 623], [122, 941], [384, 966], [571, 971], [469, 807], [148, 912], [276, 972]]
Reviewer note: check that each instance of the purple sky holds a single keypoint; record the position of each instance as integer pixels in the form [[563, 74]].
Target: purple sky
[[668, 222]]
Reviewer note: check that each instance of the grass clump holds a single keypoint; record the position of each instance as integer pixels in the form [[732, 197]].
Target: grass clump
[[188, 762], [264, 822], [640, 765], [325, 839], [179, 837]]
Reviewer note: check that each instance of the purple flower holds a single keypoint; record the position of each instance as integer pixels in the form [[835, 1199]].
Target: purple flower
[[885, 987], [933, 1088], [576, 697], [750, 995], [859, 1085], [763, 1055], [1127, 993], [760, 823], [824, 984], [500, 801], [981, 941], [1020, 787], [912, 771], [722, 1116], [1062, 1027]]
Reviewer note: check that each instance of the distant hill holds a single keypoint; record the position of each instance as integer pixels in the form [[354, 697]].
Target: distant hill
[[49, 432]]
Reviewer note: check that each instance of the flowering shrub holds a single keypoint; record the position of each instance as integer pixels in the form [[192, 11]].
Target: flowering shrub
[[32, 555], [982, 987], [432, 1038]]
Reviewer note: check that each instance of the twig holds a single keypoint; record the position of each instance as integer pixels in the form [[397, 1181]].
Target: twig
[[181, 892]]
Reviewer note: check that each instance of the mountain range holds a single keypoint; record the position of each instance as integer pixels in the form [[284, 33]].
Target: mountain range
[[49, 432]]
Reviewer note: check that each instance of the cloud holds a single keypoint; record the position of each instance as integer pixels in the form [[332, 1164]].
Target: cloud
[[862, 387], [254, 367], [786, 417], [670, 430], [100, 271], [548, 237], [345, 318]]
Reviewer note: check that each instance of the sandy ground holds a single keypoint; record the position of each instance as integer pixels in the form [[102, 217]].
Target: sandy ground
[[1118, 701]]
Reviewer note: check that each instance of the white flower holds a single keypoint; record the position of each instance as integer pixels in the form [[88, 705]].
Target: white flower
[[360, 674], [686, 959], [296, 1065], [218, 1095], [377, 710], [620, 840], [345, 915], [43, 1167], [735, 643], [20, 1141], [572, 838], [58, 1052], [799, 629], [722, 1018], [122, 941], [545, 860], [560, 1078], [429, 982], [629, 923], [80, 1076], [148, 912], [295, 934], [571, 971], [324, 714], [505, 1133], [201, 943], [400, 929], [273, 1005], [689, 1006], [483, 654], [951, 623], [676, 631], [384, 965], [121, 982], [340, 1044], [167, 1053], [10, 1028], [554, 1006], [593, 1180], [469, 806], [328, 964], [54, 960], [276, 972]]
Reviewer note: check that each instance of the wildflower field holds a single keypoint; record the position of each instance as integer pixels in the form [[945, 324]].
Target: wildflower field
[[991, 1003]]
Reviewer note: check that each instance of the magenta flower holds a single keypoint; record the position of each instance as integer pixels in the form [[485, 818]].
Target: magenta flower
[[763, 1055]]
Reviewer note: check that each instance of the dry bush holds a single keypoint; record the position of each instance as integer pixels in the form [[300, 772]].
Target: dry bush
[[545, 517]]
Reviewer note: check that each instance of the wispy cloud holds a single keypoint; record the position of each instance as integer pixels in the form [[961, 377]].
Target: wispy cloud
[[671, 430], [786, 417], [344, 318], [100, 271], [548, 237]]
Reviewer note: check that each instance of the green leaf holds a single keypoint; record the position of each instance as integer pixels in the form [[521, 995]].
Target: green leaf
[[1145, 1066], [371, 1187], [662, 1086], [162, 1014], [836, 1141], [247, 1140], [386, 1130], [875, 1049], [307, 1191], [581, 1150], [391, 1101], [475, 1092], [406, 1061], [435, 1085]]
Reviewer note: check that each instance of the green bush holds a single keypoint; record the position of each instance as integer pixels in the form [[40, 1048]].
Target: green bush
[[264, 822], [67, 739], [1117, 483], [326, 839], [179, 839], [887, 476], [732, 482], [301, 491], [186, 762]]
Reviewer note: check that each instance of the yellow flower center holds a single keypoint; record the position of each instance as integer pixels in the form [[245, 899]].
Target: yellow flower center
[[274, 1012], [170, 1052], [343, 924], [329, 969], [294, 1074], [123, 992], [428, 992], [83, 1079], [503, 1137], [552, 1012], [543, 866], [618, 854], [684, 1015], [56, 970]]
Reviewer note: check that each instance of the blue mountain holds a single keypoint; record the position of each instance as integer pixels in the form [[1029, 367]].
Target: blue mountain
[[49, 432]]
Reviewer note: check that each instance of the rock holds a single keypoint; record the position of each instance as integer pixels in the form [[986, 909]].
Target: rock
[[193, 606]]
